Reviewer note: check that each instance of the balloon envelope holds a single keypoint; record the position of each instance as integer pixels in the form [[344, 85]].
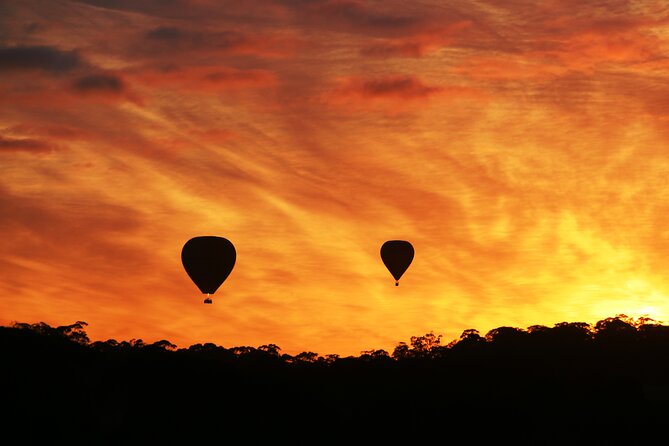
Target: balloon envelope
[[208, 261], [397, 255]]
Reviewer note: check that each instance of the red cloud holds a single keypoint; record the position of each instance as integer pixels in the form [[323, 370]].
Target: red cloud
[[358, 16], [24, 145], [391, 87], [207, 78], [58, 132], [392, 93], [185, 44], [565, 47], [105, 87], [507, 67], [418, 45], [106, 83], [47, 59], [586, 50]]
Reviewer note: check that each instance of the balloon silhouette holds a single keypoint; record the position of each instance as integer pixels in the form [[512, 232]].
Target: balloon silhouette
[[208, 260], [397, 255]]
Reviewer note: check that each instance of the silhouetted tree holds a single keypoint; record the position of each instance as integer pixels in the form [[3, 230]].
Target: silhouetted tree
[[506, 335], [374, 355], [329, 358], [652, 332], [243, 350], [571, 381], [309, 357], [538, 329], [105, 346], [75, 332], [402, 351], [420, 347], [423, 345], [468, 339], [162, 345], [618, 329], [571, 334], [271, 349]]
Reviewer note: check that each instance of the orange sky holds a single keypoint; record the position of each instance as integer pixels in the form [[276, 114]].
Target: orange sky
[[521, 146]]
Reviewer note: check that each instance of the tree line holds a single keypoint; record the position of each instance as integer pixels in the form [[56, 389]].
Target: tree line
[[573, 382]]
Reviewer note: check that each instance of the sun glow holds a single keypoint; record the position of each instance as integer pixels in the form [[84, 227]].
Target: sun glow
[[646, 301]]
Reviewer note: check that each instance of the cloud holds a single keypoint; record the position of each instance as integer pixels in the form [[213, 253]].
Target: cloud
[[419, 45], [23, 145], [359, 17], [105, 87], [391, 93], [44, 58], [207, 79], [231, 77], [394, 48], [487, 68], [406, 87], [75, 236], [149, 7], [165, 33], [575, 59], [356, 15], [182, 44], [399, 86], [47, 75], [48, 131], [105, 83]]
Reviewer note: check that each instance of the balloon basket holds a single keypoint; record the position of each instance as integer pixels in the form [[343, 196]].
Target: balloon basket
[[208, 300]]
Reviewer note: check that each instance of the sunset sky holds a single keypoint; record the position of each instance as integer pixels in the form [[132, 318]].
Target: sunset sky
[[522, 147]]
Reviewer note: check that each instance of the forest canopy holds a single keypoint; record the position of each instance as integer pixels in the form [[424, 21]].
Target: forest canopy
[[598, 382], [620, 331]]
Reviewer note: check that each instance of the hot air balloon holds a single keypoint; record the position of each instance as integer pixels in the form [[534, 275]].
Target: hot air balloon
[[208, 260], [397, 255]]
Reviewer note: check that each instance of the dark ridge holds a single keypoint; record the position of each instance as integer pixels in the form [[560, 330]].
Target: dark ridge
[[572, 383]]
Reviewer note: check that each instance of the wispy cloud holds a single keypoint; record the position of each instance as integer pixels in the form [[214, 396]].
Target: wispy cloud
[[183, 44], [393, 94], [23, 144]]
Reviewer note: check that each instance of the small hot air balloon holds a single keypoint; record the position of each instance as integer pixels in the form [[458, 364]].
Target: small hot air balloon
[[208, 260], [397, 255]]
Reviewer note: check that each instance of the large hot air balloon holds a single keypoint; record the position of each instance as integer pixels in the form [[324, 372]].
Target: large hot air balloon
[[208, 260], [397, 255]]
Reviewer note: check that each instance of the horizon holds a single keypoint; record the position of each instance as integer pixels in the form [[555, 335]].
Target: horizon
[[520, 148], [605, 383], [437, 339]]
